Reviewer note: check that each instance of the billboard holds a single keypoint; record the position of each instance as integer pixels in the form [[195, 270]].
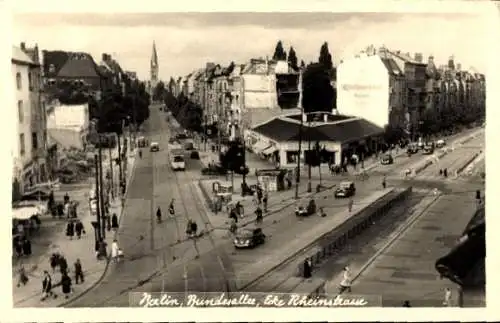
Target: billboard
[[363, 89]]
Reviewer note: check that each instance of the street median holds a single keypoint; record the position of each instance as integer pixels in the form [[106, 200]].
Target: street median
[[321, 241], [469, 160]]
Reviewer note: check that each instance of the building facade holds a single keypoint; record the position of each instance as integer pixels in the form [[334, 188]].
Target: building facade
[[30, 148], [372, 87]]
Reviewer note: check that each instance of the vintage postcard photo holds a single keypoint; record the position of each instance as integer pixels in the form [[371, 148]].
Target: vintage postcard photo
[[311, 160]]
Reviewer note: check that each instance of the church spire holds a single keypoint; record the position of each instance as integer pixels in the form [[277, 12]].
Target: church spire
[[154, 56]]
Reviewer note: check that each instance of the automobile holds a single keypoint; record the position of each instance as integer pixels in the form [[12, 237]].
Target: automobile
[[177, 163], [428, 149], [195, 155], [39, 205], [345, 189], [181, 136], [386, 159], [306, 211], [154, 147], [189, 145], [440, 143], [249, 238], [412, 149], [214, 169]]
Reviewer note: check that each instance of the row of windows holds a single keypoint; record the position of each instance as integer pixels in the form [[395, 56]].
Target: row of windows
[[33, 81], [22, 143]]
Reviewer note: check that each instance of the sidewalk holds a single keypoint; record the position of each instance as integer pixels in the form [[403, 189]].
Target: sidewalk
[[83, 249]]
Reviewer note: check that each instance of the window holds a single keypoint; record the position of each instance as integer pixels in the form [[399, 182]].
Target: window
[[19, 81], [20, 111], [52, 68], [34, 140], [22, 148]]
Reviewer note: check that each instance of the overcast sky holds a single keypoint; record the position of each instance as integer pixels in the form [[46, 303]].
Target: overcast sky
[[186, 41]]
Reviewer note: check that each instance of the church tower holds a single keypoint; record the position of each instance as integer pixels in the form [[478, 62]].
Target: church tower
[[154, 70]]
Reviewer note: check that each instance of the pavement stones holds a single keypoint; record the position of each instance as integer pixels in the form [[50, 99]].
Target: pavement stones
[[30, 294]]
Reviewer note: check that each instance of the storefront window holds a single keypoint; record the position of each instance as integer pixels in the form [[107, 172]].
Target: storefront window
[[291, 156]]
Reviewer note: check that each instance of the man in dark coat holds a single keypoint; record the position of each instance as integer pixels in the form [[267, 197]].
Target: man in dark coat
[[66, 198], [79, 228], [78, 272], [114, 221], [258, 213], [66, 285], [26, 247], [70, 230], [63, 265]]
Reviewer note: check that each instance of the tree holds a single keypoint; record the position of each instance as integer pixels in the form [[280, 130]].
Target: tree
[[317, 92], [279, 52], [302, 64], [158, 91], [292, 59], [325, 58]]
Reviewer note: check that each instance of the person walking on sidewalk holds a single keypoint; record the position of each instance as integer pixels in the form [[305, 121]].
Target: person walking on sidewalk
[[102, 251], [26, 247], [447, 297], [54, 261], [78, 272], [79, 229], [66, 285], [63, 265], [171, 209], [345, 283], [158, 215], [258, 213], [114, 250], [70, 229], [22, 277], [47, 286], [264, 201], [114, 222], [384, 183]]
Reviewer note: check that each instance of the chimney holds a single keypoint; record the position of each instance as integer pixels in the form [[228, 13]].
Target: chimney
[[325, 117], [418, 57], [23, 46]]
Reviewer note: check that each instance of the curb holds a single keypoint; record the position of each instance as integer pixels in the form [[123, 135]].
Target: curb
[[467, 163], [100, 279]]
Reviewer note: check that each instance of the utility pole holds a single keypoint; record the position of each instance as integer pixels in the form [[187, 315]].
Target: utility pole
[[309, 188], [297, 180], [101, 192], [152, 216], [112, 185], [120, 173], [98, 197]]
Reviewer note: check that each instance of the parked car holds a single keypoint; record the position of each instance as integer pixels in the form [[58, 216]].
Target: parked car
[[386, 159], [154, 147], [412, 149], [249, 238], [195, 155], [306, 211], [345, 189], [214, 169], [440, 143]]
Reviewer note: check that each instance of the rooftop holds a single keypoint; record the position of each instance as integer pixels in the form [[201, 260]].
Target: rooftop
[[19, 56], [337, 128]]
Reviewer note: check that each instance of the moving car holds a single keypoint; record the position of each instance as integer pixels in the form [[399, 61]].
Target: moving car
[[345, 189], [428, 148], [195, 155], [177, 162], [412, 149], [386, 159], [249, 238], [154, 147]]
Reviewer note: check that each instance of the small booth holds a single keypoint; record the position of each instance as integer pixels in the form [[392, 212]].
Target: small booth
[[272, 180], [25, 220], [223, 193]]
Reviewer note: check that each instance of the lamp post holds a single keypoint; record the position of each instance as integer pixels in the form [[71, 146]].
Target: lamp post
[[98, 197], [100, 205], [309, 188]]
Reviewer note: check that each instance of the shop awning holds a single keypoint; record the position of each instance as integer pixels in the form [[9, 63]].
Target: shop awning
[[270, 150], [24, 213], [260, 146]]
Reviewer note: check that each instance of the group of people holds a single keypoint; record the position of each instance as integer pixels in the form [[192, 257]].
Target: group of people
[[171, 211], [443, 172], [22, 246]]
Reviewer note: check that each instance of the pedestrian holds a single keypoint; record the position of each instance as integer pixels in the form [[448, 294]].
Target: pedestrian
[[384, 183], [351, 202], [79, 228], [22, 277], [60, 210], [70, 229], [171, 208], [445, 172], [66, 198], [114, 222], [478, 195], [289, 183], [233, 215], [54, 261], [264, 200], [47, 286], [114, 250], [78, 272], [66, 285], [18, 245], [441, 172], [158, 215], [345, 283], [140, 153], [447, 297], [259, 195], [188, 228], [108, 221], [26, 247], [239, 209], [258, 213], [234, 226], [406, 304], [307, 269], [63, 264], [322, 212]]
